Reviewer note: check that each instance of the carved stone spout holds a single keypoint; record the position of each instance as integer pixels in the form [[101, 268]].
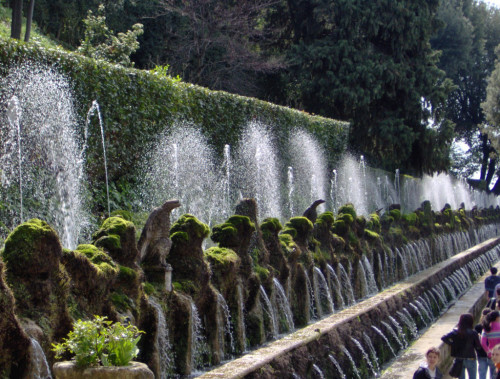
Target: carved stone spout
[[154, 244]]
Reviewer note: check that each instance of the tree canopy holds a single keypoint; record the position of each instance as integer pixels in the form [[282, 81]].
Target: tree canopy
[[410, 75]]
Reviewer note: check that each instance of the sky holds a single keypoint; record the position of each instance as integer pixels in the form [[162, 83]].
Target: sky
[[495, 3]]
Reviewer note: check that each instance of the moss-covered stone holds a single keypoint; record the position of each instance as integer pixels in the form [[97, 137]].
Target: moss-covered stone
[[22, 253], [348, 209], [340, 227], [222, 256], [395, 214], [346, 217], [270, 226], [117, 237], [191, 225]]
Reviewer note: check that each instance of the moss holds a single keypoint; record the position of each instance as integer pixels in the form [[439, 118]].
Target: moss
[[325, 218], [113, 226], [410, 218], [289, 231], [348, 209], [126, 215], [396, 214], [191, 225], [347, 218], [340, 227], [179, 237], [126, 274], [301, 224], [149, 289], [371, 235], [270, 226], [225, 234], [122, 302], [241, 222], [262, 272], [20, 244], [102, 261], [222, 256], [186, 286]]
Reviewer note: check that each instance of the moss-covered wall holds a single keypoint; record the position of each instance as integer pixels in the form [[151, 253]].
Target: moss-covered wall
[[137, 105]]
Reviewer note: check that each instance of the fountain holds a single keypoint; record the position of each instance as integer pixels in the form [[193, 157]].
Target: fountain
[[257, 171], [309, 169], [39, 155], [182, 166], [94, 109], [162, 341]]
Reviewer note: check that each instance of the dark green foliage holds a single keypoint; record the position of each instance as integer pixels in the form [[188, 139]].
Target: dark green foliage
[[191, 225], [158, 102], [371, 63], [227, 234]]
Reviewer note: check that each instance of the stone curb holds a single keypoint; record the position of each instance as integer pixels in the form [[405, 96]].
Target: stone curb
[[318, 332]]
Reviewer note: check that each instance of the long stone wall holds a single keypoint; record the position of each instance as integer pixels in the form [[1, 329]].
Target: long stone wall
[[297, 352]]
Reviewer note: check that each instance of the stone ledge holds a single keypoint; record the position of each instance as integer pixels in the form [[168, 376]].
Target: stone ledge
[[473, 301], [322, 332]]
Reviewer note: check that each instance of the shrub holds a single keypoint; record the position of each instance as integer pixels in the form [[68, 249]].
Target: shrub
[[100, 342]]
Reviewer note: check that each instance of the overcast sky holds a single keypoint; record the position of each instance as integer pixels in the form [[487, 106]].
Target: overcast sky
[[496, 3]]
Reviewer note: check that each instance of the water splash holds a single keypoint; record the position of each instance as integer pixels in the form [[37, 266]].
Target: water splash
[[351, 360], [94, 109], [40, 151], [310, 175], [283, 305], [257, 170], [228, 327], [324, 296], [162, 341], [182, 166], [337, 366], [271, 314], [41, 368]]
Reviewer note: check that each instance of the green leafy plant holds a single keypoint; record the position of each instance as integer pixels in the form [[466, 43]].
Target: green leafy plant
[[100, 342]]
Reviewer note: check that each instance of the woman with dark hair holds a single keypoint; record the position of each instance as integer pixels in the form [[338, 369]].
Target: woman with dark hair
[[464, 342], [490, 337], [484, 363]]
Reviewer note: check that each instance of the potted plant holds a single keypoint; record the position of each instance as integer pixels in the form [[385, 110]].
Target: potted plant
[[101, 349]]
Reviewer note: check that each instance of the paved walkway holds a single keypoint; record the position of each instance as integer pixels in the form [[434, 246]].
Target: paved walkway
[[472, 301]]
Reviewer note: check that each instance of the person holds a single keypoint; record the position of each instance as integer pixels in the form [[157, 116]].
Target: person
[[494, 302], [495, 357], [484, 364], [491, 281], [464, 342], [490, 337], [429, 369]]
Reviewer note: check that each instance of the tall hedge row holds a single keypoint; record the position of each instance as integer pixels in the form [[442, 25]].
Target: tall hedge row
[[137, 105]]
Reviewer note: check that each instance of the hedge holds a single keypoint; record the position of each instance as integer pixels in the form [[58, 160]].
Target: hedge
[[137, 105]]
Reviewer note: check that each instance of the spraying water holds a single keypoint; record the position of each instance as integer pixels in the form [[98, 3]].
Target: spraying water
[[94, 109], [40, 152]]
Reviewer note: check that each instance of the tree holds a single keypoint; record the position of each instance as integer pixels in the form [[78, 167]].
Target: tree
[[216, 43], [466, 41], [101, 43], [370, 63], [17, 19]]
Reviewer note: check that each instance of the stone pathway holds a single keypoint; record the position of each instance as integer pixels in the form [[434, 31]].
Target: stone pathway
[[472, 301]]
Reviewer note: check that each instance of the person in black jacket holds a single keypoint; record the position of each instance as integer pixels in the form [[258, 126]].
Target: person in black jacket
[[429, 370], [464, 343]]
